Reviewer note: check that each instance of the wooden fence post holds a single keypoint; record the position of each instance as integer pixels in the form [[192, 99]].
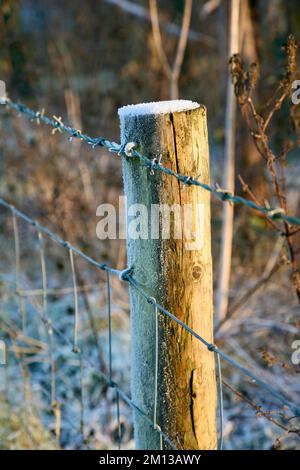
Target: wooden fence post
[[175, 272]]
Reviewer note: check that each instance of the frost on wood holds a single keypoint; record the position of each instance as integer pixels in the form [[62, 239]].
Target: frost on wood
[[186, 385], [157, 107]]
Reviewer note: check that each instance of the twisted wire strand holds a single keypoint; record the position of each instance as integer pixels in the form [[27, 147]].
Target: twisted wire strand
[[222, 194]]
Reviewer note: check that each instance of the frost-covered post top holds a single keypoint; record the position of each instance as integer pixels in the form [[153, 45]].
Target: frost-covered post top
[[143, 123], [157, 107]]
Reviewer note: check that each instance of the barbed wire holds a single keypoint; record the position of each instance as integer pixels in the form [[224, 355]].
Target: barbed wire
[[127, 276], [128, 150]]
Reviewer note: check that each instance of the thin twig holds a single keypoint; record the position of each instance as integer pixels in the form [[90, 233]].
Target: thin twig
[[172, 72], [259, 410]]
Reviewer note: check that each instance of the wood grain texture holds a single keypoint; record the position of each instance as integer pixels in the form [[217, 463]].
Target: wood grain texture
[[180, 279]]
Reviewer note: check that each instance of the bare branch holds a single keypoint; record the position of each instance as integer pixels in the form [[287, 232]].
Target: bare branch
[[173, 72], [157, 38], [181, 48], [171, 28], [229, 171], [209, 7]]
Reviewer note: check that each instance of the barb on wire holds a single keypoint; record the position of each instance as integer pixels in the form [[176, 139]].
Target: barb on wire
[[129, 149]]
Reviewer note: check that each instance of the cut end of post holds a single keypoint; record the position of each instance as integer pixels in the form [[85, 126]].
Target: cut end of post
[[157, 107]]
